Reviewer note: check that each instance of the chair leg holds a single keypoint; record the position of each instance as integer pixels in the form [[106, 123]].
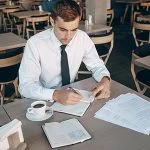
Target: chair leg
[[15, 83], [125, 13], [143, 91], [2, 94]]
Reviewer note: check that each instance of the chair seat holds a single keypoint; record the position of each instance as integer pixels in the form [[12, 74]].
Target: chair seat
[[144, 76], [143, 36], [8, 74], [143, 50]]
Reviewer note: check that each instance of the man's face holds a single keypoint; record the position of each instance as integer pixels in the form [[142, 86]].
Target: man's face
[[65, 31]]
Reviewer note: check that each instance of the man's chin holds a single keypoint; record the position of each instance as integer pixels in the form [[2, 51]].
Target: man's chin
[[65, 42]]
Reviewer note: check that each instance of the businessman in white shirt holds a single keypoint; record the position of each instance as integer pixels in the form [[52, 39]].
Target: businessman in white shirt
[[41, 71]]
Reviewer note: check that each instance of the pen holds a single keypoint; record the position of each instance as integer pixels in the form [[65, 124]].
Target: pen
[[73, 90]]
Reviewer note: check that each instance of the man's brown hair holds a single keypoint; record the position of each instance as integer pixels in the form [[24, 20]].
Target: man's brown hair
[[68, 10]]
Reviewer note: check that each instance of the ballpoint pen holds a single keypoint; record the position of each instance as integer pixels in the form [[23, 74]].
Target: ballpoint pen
[[73, 90]]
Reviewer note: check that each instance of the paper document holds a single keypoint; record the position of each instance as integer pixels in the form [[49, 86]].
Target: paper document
[[65, 133], [77, 109], [127, 110]]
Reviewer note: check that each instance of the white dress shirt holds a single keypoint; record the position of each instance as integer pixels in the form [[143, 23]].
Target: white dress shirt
[[40, 69]]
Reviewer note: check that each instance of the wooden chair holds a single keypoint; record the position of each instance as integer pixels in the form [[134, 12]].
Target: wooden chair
[[11, 136], [141, 77], [7, 19], [36, 24], [145, 6], [141, 32], [9, 65], [110, 16], [103, 50]]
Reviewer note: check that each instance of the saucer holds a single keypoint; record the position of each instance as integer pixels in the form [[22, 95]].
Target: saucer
[[48, 114]]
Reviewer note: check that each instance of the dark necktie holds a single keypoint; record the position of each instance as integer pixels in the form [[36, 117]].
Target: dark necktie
[[64, 66]]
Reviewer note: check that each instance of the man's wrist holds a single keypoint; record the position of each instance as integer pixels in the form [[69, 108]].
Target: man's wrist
[[55, 95], [105, 78]]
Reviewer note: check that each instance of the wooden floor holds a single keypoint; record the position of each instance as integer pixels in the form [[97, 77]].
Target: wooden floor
[[120, 59]]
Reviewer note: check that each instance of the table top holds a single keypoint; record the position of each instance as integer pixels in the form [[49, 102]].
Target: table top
[[11, 40], [2, 7], [94, 28], [26, 14], [4, 118], [143, 62], [105, 136]]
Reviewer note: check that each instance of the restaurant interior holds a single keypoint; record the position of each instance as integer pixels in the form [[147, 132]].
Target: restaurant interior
[[120, 30]]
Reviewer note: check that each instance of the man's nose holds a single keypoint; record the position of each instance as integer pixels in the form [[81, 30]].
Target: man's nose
[[69, 34]]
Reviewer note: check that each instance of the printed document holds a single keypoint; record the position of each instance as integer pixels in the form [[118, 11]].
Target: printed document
[[127, 110]]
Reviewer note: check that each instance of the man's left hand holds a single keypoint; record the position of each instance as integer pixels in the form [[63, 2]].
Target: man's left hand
[[102, 89]]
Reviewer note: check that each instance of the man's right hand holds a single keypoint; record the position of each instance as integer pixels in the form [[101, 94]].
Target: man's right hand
[[66, 97]]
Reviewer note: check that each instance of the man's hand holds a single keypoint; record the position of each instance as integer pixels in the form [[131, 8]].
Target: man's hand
[[66, 96], [102, 89]]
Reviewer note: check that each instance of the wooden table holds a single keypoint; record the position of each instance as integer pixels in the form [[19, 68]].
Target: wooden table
[[25, 14], [105, 136], [10, 40], [4, 118], [143, 62], [94, 28]]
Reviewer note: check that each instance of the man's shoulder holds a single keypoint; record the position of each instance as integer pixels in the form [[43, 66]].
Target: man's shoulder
[[41, 36]]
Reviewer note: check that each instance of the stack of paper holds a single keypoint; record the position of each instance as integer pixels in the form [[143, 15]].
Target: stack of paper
[[127, 110]]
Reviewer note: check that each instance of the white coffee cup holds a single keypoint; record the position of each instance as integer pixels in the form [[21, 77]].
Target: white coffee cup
[[38, 108], [40, 8]]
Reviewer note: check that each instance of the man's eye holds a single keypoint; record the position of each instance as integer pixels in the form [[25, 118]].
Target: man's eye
[[62, 30]]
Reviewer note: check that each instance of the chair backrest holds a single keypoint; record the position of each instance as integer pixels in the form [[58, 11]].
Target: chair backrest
[[10, 61], [108, 38], [143, 27], [37, 19], [139, 52], [10, 10]]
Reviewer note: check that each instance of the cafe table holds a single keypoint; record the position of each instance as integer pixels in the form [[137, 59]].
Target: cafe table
[[4, 118], [143, 62], [105, 135], [94, 28], [25, 14], [10, 41]]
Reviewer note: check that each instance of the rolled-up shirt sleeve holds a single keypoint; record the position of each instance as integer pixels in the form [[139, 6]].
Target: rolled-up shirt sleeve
[[29, 75]]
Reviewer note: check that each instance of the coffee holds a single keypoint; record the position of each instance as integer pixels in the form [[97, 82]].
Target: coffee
[[38, 105]]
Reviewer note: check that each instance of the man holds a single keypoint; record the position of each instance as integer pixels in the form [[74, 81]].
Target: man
[[40, 72]]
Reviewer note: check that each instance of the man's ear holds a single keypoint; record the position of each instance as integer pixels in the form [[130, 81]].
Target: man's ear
[[52, 21]]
